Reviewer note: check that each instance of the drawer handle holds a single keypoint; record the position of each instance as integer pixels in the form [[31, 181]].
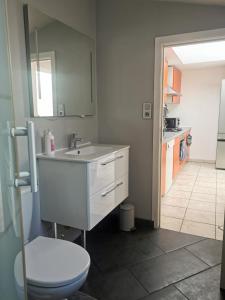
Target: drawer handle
[[119, 157], [112, 189], [108, 162], [111, 160]]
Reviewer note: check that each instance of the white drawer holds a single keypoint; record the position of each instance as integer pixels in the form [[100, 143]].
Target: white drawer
[[101, 204], [122, 161], [101, 173], [122, 189]]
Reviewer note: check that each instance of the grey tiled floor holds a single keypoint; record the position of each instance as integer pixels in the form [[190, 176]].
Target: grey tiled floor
[[153, 264], [195, 202]]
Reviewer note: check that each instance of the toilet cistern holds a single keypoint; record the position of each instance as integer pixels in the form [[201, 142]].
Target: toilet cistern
[[73, 140]]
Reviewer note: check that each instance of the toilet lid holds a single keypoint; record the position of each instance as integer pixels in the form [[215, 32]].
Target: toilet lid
[[53, 263]]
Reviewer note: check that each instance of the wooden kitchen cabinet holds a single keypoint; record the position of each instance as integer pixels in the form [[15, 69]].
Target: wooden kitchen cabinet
[[174, 82], [163, 169], [176, 157]]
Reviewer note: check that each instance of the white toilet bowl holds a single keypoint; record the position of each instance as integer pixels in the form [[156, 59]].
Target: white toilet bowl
[[55, 269]]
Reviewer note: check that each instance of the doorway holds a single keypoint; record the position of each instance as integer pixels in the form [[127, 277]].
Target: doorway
[[186, 175]]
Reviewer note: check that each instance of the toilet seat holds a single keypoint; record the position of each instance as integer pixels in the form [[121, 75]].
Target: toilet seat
[[54, 263]]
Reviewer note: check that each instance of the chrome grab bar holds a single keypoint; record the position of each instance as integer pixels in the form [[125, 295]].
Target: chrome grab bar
[[27, 178], [111, 160], [112, 189]]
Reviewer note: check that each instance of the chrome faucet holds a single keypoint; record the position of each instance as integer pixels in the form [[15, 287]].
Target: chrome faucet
[[73, 141]]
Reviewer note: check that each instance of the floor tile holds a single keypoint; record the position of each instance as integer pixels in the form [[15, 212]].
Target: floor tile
[[168, 240], [168, 293], [204, 190], [220, 199], [179, 194], [206, 179], [210, 251], [179, 187], [219, 234], [120, 285], [203, 197], [203, 286], [164, 270], [199, 229], [170, 223], [220, 192], [180, 202], [200, 216], [172, 211], [205, 184], [109, 257], [202, 205], [220, 208]]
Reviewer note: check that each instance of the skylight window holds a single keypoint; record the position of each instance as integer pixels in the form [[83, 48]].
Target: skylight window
[[201, 53]]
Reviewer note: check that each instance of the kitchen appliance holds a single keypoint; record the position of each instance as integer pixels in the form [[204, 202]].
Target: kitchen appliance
[[173, 124], [220, 153]]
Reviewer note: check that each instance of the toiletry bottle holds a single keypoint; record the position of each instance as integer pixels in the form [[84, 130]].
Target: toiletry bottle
[[52, 142], [49, 143]]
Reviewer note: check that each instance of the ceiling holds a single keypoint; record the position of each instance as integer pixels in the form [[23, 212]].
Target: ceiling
[[205, 2], [173, 60]]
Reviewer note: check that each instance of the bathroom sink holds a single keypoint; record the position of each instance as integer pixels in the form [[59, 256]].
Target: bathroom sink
[[89, 150]]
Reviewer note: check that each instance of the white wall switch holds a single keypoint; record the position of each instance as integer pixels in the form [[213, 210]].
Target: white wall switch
[[147, 110]]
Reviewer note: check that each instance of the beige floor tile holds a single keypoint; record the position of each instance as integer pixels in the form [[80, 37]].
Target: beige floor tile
[[220, 208], [204, 190], [220, 192], [187, 182], [205, 184], [202, 205], [219, 234], [170, 223], [180, 202], [200, 216], [220, 219], [220, 199], [173, 211], [205, 180], [203, 197], [179, 194], [178, 187], [199, 229]]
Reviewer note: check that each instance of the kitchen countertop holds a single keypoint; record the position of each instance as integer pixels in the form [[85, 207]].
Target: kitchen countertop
[[61, 153], [169, 136]]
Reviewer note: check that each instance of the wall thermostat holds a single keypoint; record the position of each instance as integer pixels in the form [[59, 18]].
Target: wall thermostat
[[147, 110]]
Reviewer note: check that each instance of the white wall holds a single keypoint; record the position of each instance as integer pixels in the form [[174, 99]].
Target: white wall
[[126, 30], [199, 109]]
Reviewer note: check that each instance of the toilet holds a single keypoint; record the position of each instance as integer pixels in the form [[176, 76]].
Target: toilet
[[55, 269]]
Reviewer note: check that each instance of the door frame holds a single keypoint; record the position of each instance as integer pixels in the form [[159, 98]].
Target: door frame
[[160, 44]]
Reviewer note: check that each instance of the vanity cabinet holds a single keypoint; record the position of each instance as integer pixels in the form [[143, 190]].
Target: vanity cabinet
[[81, 193]]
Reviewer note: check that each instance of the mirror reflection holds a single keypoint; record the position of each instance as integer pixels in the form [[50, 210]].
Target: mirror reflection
[[62, 67]]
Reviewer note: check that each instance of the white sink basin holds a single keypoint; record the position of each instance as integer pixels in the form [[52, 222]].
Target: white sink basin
[[89, 150]]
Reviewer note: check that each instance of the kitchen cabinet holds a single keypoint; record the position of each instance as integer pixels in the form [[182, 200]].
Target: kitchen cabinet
[[163, 170], [174, 84]]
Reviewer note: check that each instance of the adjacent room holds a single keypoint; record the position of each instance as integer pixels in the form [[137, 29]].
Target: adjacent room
[[193, 169]]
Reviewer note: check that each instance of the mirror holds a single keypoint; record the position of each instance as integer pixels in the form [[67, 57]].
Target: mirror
[[61, 67]]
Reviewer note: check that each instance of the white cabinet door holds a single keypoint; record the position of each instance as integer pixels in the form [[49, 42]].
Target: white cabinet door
[[169, 165]]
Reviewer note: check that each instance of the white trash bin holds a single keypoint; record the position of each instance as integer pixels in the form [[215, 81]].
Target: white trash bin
[[127, 217]]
